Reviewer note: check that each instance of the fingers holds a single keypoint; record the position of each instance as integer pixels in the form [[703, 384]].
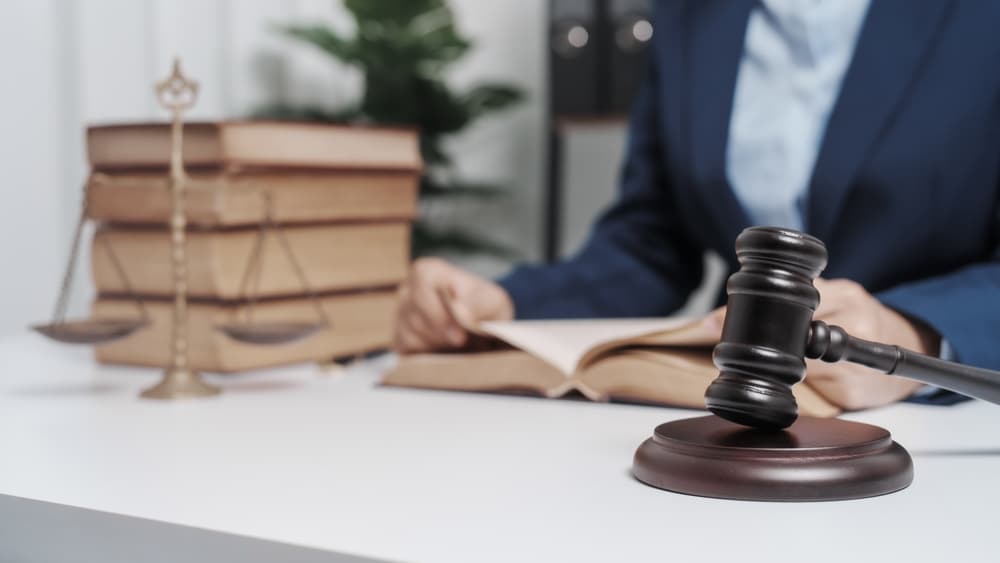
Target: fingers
[[858, 322], [420, 330], [423, 322], [838, 295], [851, 386], [478, 299], [438, 323], [424, 325], [714, 321], [854, 387], [437, 302], [829, 299]]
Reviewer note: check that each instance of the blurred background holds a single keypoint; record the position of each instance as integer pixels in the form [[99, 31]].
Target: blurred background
[[553, 81]]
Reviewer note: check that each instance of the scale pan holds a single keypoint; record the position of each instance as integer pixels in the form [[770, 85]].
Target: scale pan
[[97, 331], [270, 333]]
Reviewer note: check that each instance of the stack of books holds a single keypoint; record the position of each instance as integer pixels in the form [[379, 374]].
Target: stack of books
[[344, 197]]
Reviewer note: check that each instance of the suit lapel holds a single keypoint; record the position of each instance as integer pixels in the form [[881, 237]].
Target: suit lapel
[[713, 47], [895, 39]]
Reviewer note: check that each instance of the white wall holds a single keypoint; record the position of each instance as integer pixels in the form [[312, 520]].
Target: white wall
[[32, 144], [592, 154], [67, 63]]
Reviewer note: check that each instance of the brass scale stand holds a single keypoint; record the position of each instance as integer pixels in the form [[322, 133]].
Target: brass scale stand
[[177, 94]]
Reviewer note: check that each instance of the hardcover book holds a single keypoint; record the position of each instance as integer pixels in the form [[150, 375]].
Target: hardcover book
[[333, 257], [235, 145], [215, 199], [360, 322], [654, 361]]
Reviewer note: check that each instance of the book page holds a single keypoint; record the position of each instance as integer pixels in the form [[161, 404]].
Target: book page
[[564, 343]]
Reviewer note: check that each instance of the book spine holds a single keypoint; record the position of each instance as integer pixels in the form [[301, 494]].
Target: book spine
[[361, 323], [333, 258]]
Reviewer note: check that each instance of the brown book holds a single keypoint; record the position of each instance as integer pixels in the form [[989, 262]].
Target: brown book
[[254, 144], [226, 199], [332, 257], [361, 322], [656, 361]]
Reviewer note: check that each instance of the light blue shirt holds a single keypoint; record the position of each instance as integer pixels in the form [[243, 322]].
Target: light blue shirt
[[795, 55]]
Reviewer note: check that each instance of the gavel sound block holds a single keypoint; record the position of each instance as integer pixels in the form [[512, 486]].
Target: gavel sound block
[[755, 447]]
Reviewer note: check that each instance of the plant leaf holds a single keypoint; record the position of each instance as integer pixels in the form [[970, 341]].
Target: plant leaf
[[397, 12], [326, 39], [430, 149], [400, 99], [402, 47], [488, 98], [284, 112], [428, 241], [433, 189]]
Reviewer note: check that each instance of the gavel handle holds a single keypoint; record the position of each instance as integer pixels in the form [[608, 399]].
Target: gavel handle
[[833, 344]]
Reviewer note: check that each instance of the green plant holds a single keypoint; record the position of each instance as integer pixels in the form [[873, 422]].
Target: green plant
[[403, 48]]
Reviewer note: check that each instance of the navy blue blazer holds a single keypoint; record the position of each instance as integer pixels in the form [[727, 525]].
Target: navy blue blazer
[[905, 191]]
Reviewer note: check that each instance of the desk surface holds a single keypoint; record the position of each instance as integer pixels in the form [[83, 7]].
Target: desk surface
[[335, 463]]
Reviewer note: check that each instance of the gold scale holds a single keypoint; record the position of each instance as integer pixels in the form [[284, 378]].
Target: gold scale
[[177, 94]]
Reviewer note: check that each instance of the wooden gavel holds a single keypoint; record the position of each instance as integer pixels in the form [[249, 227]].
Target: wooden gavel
[[769, 332]]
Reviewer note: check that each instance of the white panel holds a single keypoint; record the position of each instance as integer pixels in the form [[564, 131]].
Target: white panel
[[66, 66], [257, 70], [72, 159], [317, 78], [268, 68], [30, 218], [592, 156], [106, 65], [509, 148], [195, 31], [591, 162], [114, 60]]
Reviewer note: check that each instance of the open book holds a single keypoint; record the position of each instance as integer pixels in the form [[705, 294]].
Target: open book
[[656, 361]]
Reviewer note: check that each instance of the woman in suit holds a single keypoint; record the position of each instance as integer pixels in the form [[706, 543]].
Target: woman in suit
[[873, 125]]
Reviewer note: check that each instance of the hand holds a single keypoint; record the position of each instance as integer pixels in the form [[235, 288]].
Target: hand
[[424, 323], [846, 304]]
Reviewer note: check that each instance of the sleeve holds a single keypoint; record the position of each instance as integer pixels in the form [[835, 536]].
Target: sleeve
[[638, 260], [962, 306], [931, 395]]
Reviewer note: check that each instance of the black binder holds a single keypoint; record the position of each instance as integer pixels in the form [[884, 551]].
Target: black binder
[[597, 54], [630, 31], [573, 62]]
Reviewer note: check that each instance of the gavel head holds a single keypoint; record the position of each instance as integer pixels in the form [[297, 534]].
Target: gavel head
[[769, 310]]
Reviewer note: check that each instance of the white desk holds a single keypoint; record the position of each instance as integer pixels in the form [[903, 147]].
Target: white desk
[[292, 459]]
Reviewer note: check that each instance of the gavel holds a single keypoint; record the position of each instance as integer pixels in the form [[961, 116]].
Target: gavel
[[769, 332]]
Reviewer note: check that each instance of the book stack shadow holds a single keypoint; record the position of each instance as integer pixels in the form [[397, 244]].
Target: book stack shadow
[[343, 198]]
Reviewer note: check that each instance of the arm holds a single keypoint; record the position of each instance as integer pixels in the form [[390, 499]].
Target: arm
[[963, 307], [638, 260]]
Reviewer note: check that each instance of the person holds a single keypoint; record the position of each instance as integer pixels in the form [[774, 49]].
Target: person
[[873, 125]]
